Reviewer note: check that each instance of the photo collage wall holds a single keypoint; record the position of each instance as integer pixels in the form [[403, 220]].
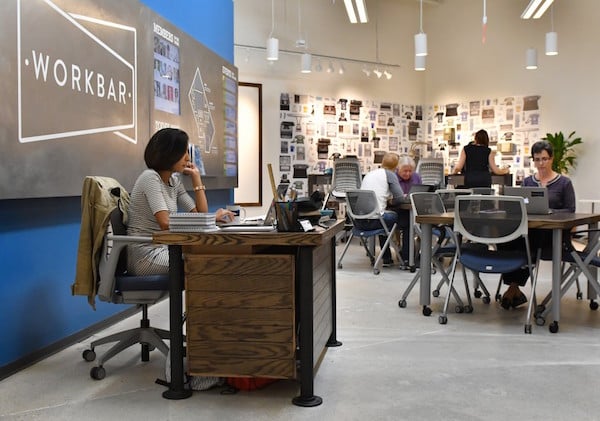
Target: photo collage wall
[[315, 130]]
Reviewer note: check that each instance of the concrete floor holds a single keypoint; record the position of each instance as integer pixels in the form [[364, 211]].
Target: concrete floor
[[395, 364]]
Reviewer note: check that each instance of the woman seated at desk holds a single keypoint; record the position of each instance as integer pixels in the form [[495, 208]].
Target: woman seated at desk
[[476, 161], [407, 177], [159, 191], [561, 197]]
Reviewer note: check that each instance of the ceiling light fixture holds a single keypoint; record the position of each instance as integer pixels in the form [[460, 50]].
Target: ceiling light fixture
[[531, 59], [341, 70], [421, 37], [387, 74], [330, 68], [361, 9], [306, 63], [420, 63], [367, 72], [378, 73], [532, 9], [272, 43], [318, 67], [552, 37]]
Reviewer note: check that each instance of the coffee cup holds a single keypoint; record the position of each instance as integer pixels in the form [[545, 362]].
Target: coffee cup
[[239, 213]]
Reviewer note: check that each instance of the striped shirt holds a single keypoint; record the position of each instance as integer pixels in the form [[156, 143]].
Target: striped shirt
[[149, 196]]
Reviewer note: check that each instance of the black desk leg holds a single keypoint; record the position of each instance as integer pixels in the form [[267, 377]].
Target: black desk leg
[[176, 283], [304, 274], [332, 341]]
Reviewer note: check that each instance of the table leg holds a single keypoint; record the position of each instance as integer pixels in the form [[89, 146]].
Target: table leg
[[304, 278], [425, 265], [556, 277], [332, 341], [176, 285]]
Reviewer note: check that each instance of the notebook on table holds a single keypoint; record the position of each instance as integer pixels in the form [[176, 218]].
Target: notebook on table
[[536, 198]]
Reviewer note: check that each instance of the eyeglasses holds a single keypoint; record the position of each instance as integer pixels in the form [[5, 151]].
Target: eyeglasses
[[543, 159]]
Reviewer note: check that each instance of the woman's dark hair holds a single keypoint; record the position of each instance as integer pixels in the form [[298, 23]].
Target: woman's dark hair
[[165, 148], [482, 138], [542, 145]]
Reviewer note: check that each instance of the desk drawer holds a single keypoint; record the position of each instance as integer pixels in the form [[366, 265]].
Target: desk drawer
[[240, 315]]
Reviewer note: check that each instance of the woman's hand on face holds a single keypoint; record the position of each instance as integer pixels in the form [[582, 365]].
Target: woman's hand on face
[[191, 169], [224, 215]]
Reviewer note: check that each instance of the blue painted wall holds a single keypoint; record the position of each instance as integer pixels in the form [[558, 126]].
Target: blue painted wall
[[38, 237]]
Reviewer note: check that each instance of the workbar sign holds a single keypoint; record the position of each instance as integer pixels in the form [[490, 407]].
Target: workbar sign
[[76, 74]]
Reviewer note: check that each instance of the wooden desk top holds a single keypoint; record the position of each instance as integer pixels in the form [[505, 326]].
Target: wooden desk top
[[551, 221], [314, 238]]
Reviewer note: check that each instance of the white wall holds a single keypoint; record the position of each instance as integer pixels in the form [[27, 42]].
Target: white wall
[[459, 66]]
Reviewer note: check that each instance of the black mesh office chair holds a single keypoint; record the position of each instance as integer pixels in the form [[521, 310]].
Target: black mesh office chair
[[118, 287]]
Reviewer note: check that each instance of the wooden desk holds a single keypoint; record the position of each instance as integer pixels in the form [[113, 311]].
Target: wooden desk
[[313, 257], [557, 222]]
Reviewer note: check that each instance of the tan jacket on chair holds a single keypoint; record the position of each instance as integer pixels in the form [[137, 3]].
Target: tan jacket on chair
[[97, 202]]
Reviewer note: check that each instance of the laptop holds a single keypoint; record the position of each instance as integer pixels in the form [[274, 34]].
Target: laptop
[[250, 224], [536, 198]]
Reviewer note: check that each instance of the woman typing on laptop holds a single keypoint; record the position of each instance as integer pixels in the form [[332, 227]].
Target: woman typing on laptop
[[561, 198]]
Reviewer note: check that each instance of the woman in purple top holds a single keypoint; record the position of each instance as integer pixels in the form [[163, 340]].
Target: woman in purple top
[[406, 177], [561, 197]]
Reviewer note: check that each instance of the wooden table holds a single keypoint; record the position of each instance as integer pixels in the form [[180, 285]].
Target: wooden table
[[315, 292], [557, 222]]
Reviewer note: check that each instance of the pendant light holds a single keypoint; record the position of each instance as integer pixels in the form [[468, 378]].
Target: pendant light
[[531, 59], [551, 37], [420, 63], [306, 63], [421, 37], [272, 43]]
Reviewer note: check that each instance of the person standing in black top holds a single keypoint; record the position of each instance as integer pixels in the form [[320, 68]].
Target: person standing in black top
[[476, 162]]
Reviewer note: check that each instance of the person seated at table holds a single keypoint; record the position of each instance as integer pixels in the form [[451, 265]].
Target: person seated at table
[[407, 177], [561, 198], [158, 191], [476, 160], [384, 182]]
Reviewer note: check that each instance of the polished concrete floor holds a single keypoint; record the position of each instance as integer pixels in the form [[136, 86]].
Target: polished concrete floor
[[395, 364]]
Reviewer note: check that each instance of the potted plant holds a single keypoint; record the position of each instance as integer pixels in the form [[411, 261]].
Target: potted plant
[[564, 154]]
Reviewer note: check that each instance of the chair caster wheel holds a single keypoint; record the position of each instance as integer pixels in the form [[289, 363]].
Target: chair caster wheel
[[402, 303], [486, 300], [340, 266], [579, 295], [593, 305], [435, 292], [528, 329], [459, 309], [540, 321], [413, 269], [376, 271], [97, 373], [426, 311], [89, 355], [477, 293], [553, 328], [468, 309], [443, 320], [498, 297]]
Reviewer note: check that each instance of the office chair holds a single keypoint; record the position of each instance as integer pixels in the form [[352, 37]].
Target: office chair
[[347, 175], [431, 171], [118, 287], [363, 206], [492, 220], [575, 263], [424, 203]]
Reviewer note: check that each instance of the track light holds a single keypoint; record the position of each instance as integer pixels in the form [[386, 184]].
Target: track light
[[378, 73], [367, 72], [387, 74], [318, 67], [531, 59], [341, 70], [330, 68], [306, 63]]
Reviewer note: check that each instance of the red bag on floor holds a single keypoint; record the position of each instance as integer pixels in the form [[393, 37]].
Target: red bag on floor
[[249, 383]]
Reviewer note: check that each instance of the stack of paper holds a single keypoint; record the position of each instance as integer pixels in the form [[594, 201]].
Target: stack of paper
[[192, 222]]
